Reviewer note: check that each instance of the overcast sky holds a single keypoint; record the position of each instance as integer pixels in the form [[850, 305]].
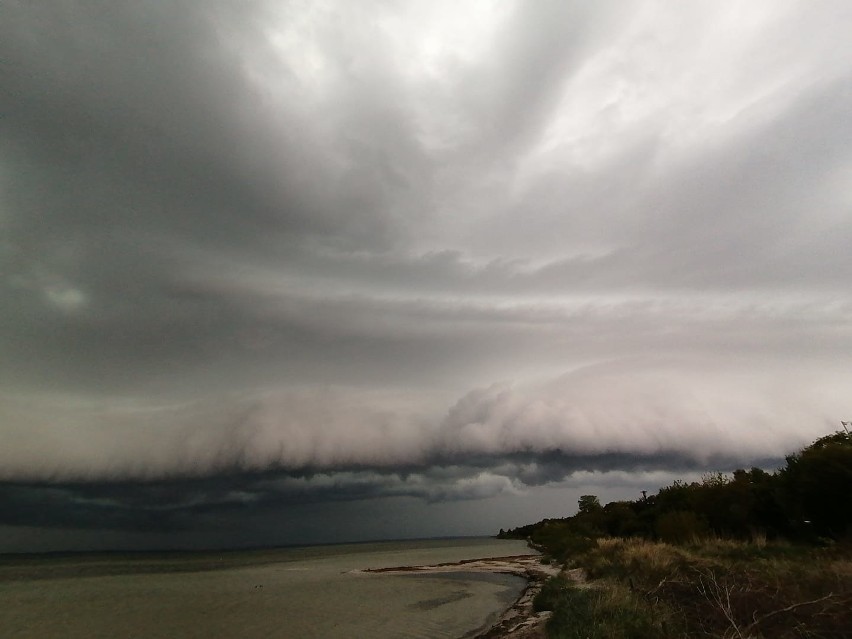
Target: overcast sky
[[277, 272]]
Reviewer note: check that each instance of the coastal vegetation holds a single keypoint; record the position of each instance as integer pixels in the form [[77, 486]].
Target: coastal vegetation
[[751, 554]]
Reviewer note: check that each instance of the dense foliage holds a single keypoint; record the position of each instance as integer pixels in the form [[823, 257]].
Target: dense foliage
[[810, 499], [753, 554]]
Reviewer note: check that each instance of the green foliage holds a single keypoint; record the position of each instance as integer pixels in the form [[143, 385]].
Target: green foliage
[[680, 527], [809, 499], [561, 539], [589, 504], [622, 519], [817, 484], [709, 558], [593, 613], [551, 592], [725, 588]]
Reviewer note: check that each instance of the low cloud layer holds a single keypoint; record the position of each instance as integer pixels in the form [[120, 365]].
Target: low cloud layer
[[413, 251], [629, 410]]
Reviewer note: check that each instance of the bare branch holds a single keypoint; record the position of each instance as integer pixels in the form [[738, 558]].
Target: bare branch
[[787, 609]]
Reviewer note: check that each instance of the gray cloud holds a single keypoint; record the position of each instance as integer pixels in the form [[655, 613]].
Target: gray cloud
[[605, 416], [419, 252]]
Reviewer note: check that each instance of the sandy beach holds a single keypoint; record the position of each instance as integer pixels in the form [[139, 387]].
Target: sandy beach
[[304, 593], [519, 621]]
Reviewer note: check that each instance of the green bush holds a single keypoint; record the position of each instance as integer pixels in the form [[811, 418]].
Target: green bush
[[551, 592], [612, 613], [562, 541], [680, 527]]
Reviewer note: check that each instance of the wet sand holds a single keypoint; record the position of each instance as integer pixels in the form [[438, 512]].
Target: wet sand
[[520, 621]]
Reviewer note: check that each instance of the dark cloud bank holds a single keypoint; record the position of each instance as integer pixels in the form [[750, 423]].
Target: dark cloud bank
[[278, 273]]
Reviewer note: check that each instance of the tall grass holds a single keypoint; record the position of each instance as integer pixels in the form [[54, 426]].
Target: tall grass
[[599, 613], [714, 587]]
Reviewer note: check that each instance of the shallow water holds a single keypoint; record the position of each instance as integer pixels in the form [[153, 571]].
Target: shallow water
[[300, 592]]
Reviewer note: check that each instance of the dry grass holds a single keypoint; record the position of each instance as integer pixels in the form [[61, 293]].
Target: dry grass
[[731, 589]]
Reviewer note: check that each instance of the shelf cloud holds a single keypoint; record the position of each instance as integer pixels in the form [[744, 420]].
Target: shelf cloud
[[289, 258]]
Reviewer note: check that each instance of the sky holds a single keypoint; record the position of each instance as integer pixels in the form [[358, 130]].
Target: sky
[[279, 272]]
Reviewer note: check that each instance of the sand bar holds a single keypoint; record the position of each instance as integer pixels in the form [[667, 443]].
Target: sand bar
[[520, 621]]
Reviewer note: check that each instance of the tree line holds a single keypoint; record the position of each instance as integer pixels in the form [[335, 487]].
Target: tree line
[[809, 499]]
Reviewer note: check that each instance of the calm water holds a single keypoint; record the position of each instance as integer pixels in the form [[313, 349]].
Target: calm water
[[306, 592]]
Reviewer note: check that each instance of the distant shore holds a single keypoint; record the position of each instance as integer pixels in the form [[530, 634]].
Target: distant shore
[[519, 621]]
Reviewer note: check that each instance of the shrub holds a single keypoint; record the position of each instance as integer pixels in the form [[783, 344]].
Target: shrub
[[611, 613], [680, 527], [550, 593]]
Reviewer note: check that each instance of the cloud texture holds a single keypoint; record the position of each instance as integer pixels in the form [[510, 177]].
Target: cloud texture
[[414, 249]]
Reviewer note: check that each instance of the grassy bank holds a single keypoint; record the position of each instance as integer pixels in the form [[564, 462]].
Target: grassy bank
[[694, 560], [636, 588]]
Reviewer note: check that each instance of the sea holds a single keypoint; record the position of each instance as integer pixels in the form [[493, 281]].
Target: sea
[[305, 592]]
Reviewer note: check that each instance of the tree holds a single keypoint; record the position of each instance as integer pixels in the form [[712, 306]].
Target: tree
[[818, 485], [589, 504]]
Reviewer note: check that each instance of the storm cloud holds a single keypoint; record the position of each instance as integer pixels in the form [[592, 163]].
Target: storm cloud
[[276, 260]]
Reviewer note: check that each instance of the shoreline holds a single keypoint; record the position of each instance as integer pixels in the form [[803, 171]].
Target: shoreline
[[518, 621]]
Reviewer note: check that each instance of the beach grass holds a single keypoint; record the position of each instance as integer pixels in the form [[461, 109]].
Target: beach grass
[[719, 588], [599, 611]]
